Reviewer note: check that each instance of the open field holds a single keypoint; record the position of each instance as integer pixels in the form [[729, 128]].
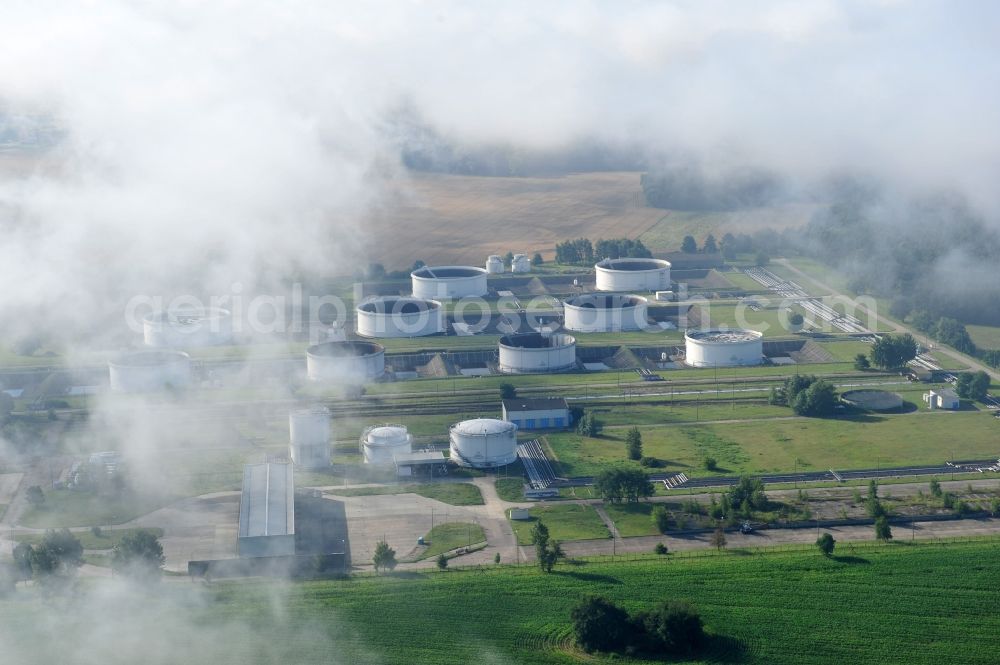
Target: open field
[[670, 229], [632, 519], [985, 337], [766, 446], [463, 219], [564, 521], [923, 604], [457, 494]]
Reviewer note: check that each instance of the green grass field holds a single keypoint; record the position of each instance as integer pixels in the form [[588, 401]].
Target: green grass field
[[446, 537], [510, 489], [565, 522], [923, 604], [456, 494], [765, 446], [71, 508], [985, 337], [632, 519], [107, 540]]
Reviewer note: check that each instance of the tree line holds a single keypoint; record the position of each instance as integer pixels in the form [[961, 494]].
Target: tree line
[[583, 251]]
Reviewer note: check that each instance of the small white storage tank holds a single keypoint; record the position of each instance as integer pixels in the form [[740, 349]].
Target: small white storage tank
[[438, 282], [535, 352], [380, 443], [309, 437], [633, 274], [399, 316], [150, 371], [494, 265], [483, 443], [188, 327], [723, 348], [345, 361], [521, 263], [604, 312]]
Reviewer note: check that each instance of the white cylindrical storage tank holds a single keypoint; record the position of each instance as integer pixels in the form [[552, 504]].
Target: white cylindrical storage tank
[[520, 263], [483, 443], [380, 443], [150, 371], [399, 316], [494, 265], [346, 362], [535, 352], [309, 437], [450, 282], [604, 312], [723, 348], [633, 274], [188, 327]]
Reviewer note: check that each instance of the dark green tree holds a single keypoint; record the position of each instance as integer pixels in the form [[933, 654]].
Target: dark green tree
[[600, 625], [826, 543], [633, 442], [384, 557], [661, 518], [861, 362], [672, 627], [442, 562], [138, 555], [710, 246], [508, 391], [537, 259], [689, 246], [34, 495], [882, 530]]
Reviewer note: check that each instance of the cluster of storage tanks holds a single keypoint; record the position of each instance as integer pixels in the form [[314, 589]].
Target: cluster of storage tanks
[[519, 264], [481, 443]]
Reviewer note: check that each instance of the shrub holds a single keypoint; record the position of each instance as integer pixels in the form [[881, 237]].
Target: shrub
[[672, 627], [711, 464], [661, 518], [826, 543], [600, 625], [660, 549]]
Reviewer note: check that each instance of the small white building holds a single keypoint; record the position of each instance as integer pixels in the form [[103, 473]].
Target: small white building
[[942, 398], [537, 413]]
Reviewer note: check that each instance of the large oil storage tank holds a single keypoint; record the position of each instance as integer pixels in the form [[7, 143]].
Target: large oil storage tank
[[520, 263], [483, 443], [605, 312], [633, 274], [309, 437], [150, 371], [188, 327], [345, 361], [534, 352], [449, 282], [380, 443], [723, 348], [494, 265], [399, 316]]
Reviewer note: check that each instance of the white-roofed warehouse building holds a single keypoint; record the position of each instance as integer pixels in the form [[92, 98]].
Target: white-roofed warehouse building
[[267, 511]]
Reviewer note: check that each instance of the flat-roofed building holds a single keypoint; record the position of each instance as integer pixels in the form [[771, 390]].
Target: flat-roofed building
[[267, 511], [537, 413]]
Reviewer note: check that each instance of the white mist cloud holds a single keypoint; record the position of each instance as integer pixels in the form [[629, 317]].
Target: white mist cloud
[[207, 144]]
